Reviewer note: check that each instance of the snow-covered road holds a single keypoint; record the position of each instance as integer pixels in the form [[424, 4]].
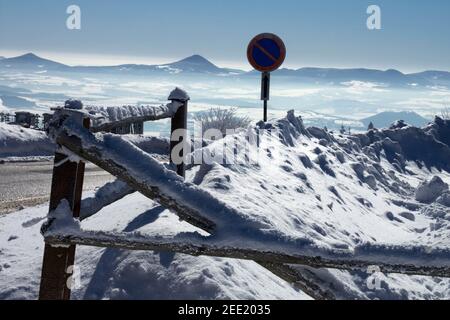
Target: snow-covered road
[[28, 183]]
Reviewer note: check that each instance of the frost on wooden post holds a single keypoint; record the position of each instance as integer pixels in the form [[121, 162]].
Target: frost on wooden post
[[73, 104], [179, 95]]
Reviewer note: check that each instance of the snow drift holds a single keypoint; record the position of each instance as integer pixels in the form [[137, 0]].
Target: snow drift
[[16, 141]]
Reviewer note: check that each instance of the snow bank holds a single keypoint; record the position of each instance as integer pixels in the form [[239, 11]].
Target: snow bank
[[337, 195], [16, 141]]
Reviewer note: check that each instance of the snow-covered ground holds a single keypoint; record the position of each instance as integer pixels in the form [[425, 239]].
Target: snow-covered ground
[[120, 274], [336, 191], [16, 141]]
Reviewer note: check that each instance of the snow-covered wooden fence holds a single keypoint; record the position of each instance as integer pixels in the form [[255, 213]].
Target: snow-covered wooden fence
[[232, 234], [68, 174]]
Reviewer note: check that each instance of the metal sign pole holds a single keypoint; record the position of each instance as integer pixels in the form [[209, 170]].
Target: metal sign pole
[[266, 53], [265, 91]]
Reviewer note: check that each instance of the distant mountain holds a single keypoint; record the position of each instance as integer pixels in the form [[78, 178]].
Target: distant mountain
[[385, 119], [433, 75], [200, 65], [192, 64], [334, 76], [197, 64], [31, 61], [345, 77]]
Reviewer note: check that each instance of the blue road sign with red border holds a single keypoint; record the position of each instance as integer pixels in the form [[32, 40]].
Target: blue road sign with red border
[[266, 52]]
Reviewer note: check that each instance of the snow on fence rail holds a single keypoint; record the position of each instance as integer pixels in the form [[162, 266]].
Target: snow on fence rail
[[106, 118], [232, 233]]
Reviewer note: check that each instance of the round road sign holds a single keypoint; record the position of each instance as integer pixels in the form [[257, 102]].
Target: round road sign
[[266, 52]]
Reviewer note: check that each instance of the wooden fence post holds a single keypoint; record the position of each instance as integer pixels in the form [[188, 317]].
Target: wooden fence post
[[67, 183], [179, 121]]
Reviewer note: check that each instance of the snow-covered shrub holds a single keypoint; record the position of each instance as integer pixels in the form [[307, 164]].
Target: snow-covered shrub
[[221, 119]]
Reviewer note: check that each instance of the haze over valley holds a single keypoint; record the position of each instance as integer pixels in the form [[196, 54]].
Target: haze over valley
[[324, 97]]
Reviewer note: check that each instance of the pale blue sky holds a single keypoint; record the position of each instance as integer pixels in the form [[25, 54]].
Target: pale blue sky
[[325, 33]]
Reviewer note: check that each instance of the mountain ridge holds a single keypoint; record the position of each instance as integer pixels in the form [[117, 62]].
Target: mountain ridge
[[198, 64], [30, 59]]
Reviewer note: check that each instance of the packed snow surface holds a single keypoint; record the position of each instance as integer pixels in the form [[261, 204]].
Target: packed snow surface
[[16, 141], [121, 274]]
